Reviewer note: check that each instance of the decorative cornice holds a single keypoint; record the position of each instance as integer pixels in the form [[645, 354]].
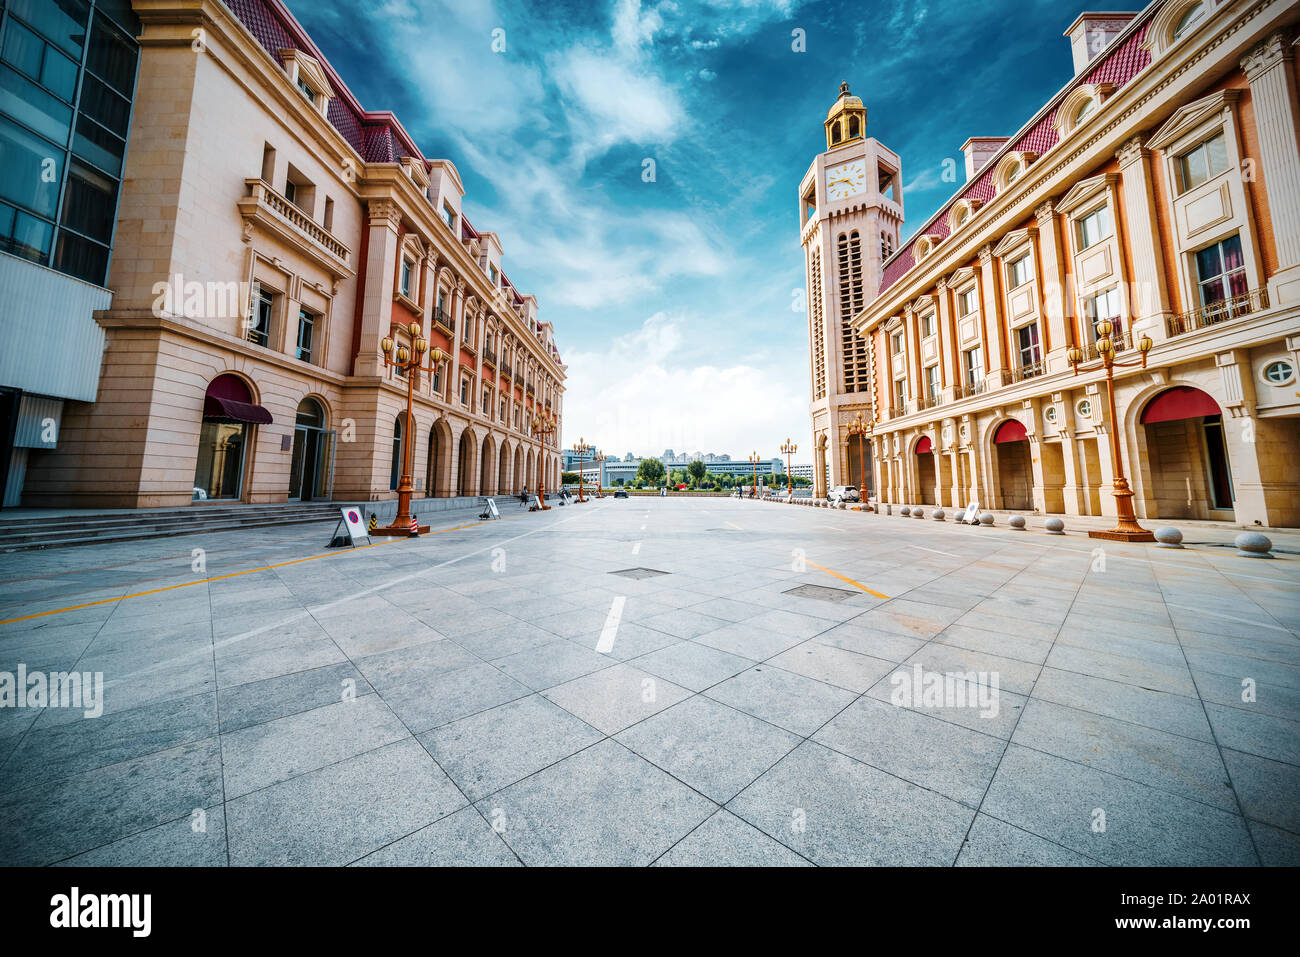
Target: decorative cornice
[[1262, 58]]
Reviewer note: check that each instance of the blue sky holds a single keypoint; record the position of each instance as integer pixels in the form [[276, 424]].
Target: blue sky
[[673, 299]]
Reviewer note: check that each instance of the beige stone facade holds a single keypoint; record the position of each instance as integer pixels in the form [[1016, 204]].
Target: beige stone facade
[[262, 204], [1160, 190]]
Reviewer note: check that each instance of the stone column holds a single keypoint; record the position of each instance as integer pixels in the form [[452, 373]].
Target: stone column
[[1055, 302], [1149, 295], [947, 339], [912, 361], [453, 361], [1277, 124], [995, 354], [381, 277]]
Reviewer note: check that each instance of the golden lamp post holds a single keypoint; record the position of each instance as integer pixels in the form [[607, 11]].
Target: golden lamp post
[[542, 427], [859, 427], [788, 449], [408, 363], [754, 460], [583, 450], [598, 459], [1126, 527]]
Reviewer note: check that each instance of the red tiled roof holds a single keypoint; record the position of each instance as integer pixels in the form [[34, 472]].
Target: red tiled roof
[[1117, 67]]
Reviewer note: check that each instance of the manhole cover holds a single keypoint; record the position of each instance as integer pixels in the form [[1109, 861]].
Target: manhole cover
[[821, 592], [639, 573]]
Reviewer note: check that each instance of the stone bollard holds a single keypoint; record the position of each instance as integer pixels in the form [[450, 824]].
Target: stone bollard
[[959, 516], [938, 515], [986, 518], [1054, 526], [1253, 545], [1017, 522], [1168, 537], [889, 508], [905, 511], [918, 512]]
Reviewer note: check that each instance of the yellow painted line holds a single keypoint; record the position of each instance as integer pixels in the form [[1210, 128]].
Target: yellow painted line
[[869, 591], [216, 578]]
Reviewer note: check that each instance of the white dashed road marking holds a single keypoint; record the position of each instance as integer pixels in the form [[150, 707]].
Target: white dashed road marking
[[610, 631], [636, 549]]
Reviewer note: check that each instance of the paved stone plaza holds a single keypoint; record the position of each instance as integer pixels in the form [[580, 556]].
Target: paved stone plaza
[[656, 681]]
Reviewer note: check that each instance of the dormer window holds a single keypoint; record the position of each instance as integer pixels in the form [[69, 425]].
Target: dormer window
[[1013, 173], [492, 273], [308, 76], [1011, 168], [449, 217], [1188, 19], [306, 90]]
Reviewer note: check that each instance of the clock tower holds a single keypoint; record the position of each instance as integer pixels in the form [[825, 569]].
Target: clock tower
[[850, 215]]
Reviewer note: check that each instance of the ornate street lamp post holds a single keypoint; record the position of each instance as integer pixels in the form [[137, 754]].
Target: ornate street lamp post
[[1126, 527], [408, 364], [789, 448], [859, 427], [583, 450], [542, 427], [754, 460], [598, 460]]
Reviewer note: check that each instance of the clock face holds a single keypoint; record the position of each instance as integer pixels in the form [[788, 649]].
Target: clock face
[[847, 179]]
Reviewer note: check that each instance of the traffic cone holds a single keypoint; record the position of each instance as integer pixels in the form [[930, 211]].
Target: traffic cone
[[415, 527]]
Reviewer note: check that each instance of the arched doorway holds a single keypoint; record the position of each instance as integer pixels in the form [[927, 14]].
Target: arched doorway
[[503, 471], [858, 450], [465, 484], [395, 469], [311, 463], [486, 468], [1015, 473], [225, 435], [1187, 455], [925, 476], [520, 477], [431, 464]]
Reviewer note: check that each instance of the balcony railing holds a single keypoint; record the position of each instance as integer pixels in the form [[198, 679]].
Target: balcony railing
[[1214, 313], [263, 205], [1022, 373], [1120, 341], [897, 410], [489, 356], [928, 402], [968, 390], [443, 318]]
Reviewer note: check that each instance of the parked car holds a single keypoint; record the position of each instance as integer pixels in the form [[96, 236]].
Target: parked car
[[621, 493], [842, 493]]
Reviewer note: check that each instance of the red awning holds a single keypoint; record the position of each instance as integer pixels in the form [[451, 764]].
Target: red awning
[[1010, 431], [924, 446], [228, 400], [1180, 402]]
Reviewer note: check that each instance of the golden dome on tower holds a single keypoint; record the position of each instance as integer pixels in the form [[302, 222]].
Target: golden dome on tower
[[846, 119]]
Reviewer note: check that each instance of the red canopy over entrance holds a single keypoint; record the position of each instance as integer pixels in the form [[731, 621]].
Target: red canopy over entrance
[[1010, 431], [1180, 402], [228, 400], [924, 446]]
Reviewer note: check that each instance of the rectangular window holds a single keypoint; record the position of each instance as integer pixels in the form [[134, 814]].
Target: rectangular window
[[973, 361], [900, 396], [927, 326], [329, 214], [932, 382], [1221, 271], [492, 272], [967, 302], [464, 391], [1203, 162], [897, 344], [259, 325], [1027, 342], [487, 400], [1018, 272], [268, 163], [306, 334], [404, 285], [449, 217], [1103, 307], [502, 416], [436, 384], [1092, 228], [305, 89]]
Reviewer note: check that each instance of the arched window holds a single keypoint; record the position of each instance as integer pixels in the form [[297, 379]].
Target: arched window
[[1189, 18], [1013, 173], [835, 133], [853, 126], [1084, 109]]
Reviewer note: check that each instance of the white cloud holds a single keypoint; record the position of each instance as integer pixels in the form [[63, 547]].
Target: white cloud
[[642, 394], [612, 101]]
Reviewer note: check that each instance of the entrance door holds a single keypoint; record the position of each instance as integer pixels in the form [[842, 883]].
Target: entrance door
[[309, 466]]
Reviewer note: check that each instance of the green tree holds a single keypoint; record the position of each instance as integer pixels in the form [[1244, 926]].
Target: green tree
[[696, 470], [651, 472], [569, 478]]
